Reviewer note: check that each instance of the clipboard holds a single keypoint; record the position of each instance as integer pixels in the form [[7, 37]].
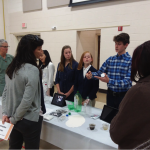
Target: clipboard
[[5, 130]]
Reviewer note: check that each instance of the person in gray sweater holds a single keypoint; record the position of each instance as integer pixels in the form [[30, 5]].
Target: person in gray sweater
[[21, 99]]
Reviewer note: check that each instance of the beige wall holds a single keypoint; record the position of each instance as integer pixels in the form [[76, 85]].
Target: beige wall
[[87, 41], [1, 21], [6, 20], [106, 16], [7, 31], [54, 41]]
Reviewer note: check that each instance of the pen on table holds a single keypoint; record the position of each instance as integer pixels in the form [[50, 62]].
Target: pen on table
[[2, 126], [1, 130], [2, 134]]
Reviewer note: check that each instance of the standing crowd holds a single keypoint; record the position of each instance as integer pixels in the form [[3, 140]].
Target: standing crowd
[[24, 85]]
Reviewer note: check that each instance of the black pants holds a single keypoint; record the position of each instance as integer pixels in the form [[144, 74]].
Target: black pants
[[114, 99], [52, 91], [27, 131]]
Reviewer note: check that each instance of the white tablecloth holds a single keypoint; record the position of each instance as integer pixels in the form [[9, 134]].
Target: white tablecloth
[[0, 107], [58, 134]]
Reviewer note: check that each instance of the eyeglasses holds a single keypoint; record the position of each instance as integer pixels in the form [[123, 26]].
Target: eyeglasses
[[5, 46]]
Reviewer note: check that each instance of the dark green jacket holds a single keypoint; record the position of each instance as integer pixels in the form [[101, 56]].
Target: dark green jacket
[[4, 63]]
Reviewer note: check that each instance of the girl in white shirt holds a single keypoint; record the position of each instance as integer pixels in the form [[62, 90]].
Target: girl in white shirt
[[87, 88], [48, 70]]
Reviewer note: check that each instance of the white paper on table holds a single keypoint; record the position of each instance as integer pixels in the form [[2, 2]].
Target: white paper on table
[[75, 121], [48, 111], [5, 130], [48, 117], [48, 99]]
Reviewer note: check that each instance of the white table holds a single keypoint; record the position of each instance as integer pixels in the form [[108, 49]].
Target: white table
[[58, 134], [0, 107]]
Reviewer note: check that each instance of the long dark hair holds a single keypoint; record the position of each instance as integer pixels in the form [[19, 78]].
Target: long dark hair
[[141, 62], [62, 59], [47, 60], [24, 53]]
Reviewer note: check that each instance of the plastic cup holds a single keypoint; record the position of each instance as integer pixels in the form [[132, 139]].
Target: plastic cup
[[105, 126], [92, 126], [70, 105], [61, 118]]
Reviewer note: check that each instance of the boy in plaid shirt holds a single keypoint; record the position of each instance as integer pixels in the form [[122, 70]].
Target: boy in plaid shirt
[[117, 70]]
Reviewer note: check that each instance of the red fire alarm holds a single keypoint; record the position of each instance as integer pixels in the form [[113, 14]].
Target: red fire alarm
[[120, 28]]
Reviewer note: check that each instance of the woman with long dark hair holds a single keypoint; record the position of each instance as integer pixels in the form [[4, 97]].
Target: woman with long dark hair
[[130, 127], [48, 70], [65, 75], [22, 97]]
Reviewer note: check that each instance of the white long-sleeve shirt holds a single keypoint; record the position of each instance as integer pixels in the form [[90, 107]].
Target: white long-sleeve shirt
[[85, 70], [48, 75]]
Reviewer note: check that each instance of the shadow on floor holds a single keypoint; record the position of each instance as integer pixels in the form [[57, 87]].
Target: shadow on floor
[[43, 145]]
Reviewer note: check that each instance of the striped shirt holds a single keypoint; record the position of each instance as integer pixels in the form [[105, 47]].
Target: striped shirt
[[118, 69]]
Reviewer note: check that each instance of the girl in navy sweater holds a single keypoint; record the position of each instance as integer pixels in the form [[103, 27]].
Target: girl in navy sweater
[[87, 88], [65, 75]]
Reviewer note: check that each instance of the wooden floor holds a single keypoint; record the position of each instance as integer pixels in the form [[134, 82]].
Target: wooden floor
[[100, 102]]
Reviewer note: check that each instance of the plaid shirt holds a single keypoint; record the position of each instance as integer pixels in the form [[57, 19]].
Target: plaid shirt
[[118, 69]]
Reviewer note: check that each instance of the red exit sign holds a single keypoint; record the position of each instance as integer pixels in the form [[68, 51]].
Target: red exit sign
[[120, 28]]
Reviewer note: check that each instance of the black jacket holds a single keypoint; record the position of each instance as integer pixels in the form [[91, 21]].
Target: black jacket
[[42, 97], [84, 86]]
